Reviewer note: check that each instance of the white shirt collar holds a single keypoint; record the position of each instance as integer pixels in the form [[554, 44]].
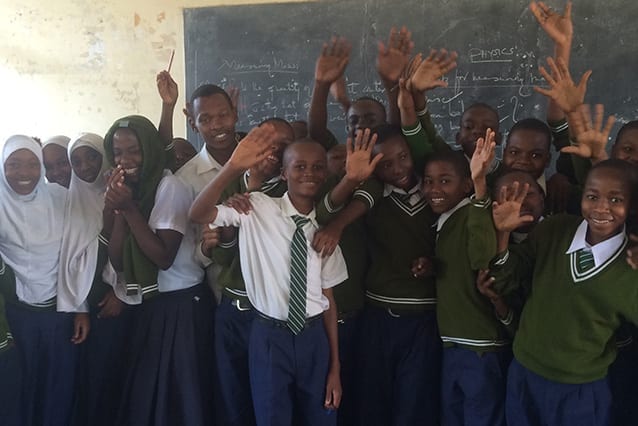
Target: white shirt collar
[[445, 216], [206, 162], [389, 189], [602, 251], [288, 210]]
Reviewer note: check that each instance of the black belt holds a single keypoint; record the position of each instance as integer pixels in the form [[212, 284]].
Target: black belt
[[284, 324]]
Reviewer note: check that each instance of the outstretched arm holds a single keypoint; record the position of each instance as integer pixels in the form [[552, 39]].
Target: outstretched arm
[[330, 66], [561, 30], [392, 59], [167, 88], [481, 162]]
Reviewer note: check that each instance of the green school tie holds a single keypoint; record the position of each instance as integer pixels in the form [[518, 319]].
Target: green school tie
[[298, 277], [585, 260]]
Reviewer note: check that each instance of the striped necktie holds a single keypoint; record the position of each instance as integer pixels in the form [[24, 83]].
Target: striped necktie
[[298, 277], [585, 260]]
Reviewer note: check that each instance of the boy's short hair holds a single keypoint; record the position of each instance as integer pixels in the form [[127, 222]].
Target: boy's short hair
[[454, 158], [278, 120], [533, 124], [386, 131], [481, 105], [371, 99], [505, 173], [295, 143], [627, 126], [206, 90]]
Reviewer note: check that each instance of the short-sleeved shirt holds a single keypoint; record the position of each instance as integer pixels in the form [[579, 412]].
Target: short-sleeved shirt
[[172, 202], [265, 236]]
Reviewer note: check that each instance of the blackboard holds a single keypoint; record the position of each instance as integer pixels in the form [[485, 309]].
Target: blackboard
[[269, 52]]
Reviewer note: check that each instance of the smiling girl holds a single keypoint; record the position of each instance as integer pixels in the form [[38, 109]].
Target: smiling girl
[[152, 243], [31, 229]]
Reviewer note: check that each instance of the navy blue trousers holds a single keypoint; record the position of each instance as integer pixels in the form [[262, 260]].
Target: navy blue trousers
[[533, 400], [473, 387], [288, 374], [48, 364], [232, 332], [400, 364]]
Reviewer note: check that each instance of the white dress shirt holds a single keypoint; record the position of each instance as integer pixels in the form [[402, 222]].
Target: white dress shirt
[[265, 236]]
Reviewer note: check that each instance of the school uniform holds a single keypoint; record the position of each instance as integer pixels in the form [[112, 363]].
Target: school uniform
[[565, 342], [81, 287], [169, 376], [287, 371], [400, 346], [475, 343], [623, 377], [350, 299], [233, 321], [31, 229]]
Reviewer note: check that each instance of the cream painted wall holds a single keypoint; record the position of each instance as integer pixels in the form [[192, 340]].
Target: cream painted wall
[[68, 66]]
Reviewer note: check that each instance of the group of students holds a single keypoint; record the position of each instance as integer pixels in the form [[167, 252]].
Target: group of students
[[278, 277]]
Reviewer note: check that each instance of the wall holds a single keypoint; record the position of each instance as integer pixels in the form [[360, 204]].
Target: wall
[[77, 65]]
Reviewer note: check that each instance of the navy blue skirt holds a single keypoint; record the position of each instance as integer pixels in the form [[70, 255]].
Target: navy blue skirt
[[47, 361], [169, 377], [102, 369]]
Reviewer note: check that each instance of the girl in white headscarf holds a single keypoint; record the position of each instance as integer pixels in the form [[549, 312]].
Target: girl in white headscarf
[[31, 227], [87, 283], [55, 160]]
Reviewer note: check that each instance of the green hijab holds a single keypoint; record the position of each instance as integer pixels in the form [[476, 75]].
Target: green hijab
[[140, 272]]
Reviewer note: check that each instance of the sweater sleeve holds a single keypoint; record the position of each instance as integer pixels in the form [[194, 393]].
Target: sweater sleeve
[[482, 237], [437, 142], [513, 268]]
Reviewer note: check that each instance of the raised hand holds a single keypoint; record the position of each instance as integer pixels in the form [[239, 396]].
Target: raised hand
[[591, 137], [254, 147], [558, 27], [506, 211], [562, 89], [428, 75], [359, 164], [393, 57], [167, 88], [483, 155], [333, 60]]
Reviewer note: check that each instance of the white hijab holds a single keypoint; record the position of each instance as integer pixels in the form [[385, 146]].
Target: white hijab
[[61, 140], [78, 257], [31, 229]]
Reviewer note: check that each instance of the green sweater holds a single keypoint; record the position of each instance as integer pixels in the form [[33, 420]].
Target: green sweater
[[465, 244], [349, 295], [567, 327], [227, 255], [399, 229]]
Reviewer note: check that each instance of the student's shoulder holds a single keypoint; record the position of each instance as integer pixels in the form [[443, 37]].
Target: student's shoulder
[[173, 185]]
